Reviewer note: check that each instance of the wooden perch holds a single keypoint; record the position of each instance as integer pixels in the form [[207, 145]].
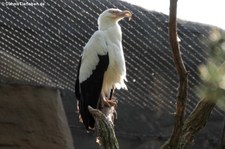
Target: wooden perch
[[183, 78], [104, 128]]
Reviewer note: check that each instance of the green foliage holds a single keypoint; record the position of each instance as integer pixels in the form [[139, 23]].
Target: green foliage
[[212, 72]]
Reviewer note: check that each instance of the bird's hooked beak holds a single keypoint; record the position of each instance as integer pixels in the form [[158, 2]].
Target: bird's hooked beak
[[125, 14]]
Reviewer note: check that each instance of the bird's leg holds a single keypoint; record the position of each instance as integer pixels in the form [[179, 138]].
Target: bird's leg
[[111, 93], [103, 101], [108, 105], [112, 99]]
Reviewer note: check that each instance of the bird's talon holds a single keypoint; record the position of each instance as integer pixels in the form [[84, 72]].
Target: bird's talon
[[112, 102], [109, 103]]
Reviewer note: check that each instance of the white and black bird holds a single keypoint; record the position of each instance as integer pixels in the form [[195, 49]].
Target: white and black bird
[[102, 65]]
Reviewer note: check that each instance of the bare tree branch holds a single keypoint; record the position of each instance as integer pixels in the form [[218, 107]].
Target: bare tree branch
[[196, 121], [183, 79]]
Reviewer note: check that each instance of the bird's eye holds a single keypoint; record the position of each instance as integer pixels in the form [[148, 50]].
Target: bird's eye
[[113, 11]]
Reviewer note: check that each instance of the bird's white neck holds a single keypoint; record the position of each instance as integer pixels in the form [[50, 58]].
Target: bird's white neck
[[113, 30], [115, 33], [106, 23]]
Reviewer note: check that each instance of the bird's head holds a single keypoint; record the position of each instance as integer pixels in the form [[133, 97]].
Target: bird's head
[[111, 16]]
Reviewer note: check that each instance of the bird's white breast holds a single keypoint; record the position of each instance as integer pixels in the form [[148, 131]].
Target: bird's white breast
[[116, 71]]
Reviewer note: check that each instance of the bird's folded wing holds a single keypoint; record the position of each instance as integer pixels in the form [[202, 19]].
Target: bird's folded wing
[[95, 47]]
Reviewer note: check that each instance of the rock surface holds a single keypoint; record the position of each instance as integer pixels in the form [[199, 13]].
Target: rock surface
[[32, 118]]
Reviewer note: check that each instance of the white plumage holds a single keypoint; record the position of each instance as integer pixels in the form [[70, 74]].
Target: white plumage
[[106, 41], [103, 42], [95, 46]]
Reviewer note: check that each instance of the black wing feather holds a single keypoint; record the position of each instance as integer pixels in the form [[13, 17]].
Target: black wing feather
[[91, 90], [77, 85]]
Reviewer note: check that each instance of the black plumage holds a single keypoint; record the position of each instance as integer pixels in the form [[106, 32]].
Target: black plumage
[[88, 92]]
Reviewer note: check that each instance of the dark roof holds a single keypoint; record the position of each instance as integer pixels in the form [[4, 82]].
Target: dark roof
[[40, 45]]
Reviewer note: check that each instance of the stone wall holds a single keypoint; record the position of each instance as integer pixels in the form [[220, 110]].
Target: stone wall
[[32, 118]]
